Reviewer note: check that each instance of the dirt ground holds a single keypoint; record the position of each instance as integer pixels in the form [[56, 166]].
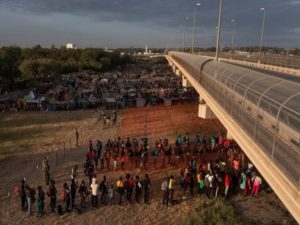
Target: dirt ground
[[154, 122]]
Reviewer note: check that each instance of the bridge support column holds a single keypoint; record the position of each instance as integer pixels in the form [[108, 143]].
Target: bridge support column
[[177, 72], [204, 111], [185, 82], [174, 68]]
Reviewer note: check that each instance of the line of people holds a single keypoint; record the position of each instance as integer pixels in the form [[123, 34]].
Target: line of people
[[134, 153], [211, 177]]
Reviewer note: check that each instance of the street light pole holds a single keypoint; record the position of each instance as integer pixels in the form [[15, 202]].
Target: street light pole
[[183, 30], [194, 24], [262, 33], [219, 28], [232, 37]]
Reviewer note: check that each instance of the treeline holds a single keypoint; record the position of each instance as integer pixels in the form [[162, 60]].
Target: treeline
[[18, 64]]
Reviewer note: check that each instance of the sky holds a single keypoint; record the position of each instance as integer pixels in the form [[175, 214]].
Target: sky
[[155, 23]]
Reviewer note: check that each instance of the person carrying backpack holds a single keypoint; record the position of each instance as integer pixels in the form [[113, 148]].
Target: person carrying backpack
[[40, 201], [52, 194]]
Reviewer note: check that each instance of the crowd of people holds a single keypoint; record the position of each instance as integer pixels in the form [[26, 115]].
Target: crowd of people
[[229, 173]]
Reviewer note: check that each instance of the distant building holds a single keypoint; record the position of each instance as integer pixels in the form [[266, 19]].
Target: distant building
[[70, 46]]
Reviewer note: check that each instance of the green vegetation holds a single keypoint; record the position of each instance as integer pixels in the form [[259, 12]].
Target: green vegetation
[[215, 212], [18, 64]]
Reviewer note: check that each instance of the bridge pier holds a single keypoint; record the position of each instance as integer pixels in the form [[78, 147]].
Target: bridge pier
[[204, 111], [185, 82]]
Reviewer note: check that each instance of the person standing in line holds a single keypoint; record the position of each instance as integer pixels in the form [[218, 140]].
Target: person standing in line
[[30, 194], [227, 184], [74, 173], [83, 192], [243, 183], [128, 185], [256, 185], [111, 193], [165, 189], [104, 190], [22, 194], [138, 189], [146, 185], [73, 189], [40, 201], [65, 194], [99, 152], [52, 192], [120, 189], [95, 192]]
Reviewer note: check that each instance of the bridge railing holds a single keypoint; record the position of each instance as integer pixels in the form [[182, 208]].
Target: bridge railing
[[281, 60], [283, 153]]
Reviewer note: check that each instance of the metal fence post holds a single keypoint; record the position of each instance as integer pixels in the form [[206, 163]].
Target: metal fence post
[[56, 156], [64, 149]]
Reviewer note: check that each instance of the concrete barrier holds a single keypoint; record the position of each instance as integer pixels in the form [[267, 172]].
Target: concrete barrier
[[285, 70]]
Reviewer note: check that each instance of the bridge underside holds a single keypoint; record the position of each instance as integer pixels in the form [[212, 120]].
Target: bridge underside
[[285, 189]]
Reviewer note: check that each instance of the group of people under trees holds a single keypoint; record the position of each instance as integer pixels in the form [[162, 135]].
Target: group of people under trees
[[228, 174]]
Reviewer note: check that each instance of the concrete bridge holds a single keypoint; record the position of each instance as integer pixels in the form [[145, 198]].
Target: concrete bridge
[[261, 112]]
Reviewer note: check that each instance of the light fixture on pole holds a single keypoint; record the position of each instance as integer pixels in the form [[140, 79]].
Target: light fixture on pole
[[219, 29], [262, 33], [194, 24], [182, 41], [232, 37], [183, 27]]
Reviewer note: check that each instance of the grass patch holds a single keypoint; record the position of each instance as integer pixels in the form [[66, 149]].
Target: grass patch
[[34, 131], [215, 212]]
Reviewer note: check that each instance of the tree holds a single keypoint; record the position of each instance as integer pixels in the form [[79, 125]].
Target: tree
[[10, 58]]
